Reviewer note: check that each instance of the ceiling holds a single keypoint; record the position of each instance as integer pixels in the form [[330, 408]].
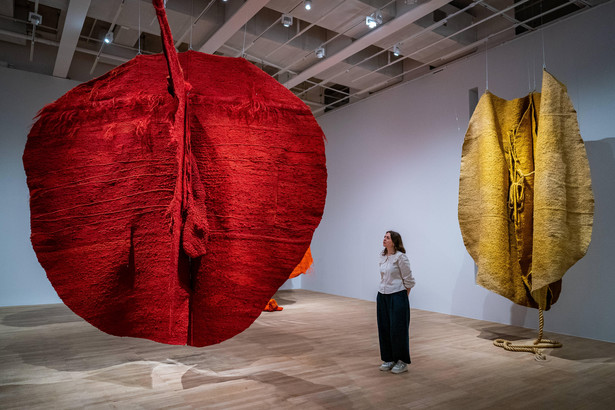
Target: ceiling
[[358, 60]]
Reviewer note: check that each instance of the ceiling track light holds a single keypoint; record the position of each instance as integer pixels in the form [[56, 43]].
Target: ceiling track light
[[35, 18], [109, 37], [374, 19], [371, 23], [396, 52], [378, 17], [307, 4], [320, 52], [287, 20]]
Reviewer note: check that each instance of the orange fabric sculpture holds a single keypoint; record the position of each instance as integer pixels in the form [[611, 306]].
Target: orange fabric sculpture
[[272, 306], [301, 268]]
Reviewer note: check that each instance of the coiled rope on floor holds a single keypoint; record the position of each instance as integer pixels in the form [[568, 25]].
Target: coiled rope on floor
[[536, 347]]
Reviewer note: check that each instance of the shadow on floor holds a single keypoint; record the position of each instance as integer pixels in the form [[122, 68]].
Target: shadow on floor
[[284, 298], [73, 349], [47, 315], [573, 348], [286, 387], [501, 332]]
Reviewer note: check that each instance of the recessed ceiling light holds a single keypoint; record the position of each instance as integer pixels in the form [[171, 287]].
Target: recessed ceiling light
[[374, 20], [287, 20], [35, 18]]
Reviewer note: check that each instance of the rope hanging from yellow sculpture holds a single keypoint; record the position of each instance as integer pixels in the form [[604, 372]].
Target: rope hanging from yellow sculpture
[[536, 347], [516, 197]]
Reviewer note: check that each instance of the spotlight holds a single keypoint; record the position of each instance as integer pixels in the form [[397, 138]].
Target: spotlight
[[109, 38], [307, 4], [35, 18], [287, 20], [396, 50], [371, 23], [374, 20], [320, 52]]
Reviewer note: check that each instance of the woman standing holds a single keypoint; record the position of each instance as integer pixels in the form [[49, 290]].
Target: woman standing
[[393, 308]]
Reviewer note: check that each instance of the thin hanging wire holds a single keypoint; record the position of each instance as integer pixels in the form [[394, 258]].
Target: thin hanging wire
[[378, 85], [191, 25], [544, 61], [243, 47], [275, 23], [534, 70], [542, 34], [486, 64], [386, 50], [458, 123], [529, 77], [140, 34], [180, 39], [329, 40]]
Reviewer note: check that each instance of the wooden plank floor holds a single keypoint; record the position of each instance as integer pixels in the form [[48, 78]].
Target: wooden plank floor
[[320, 352]]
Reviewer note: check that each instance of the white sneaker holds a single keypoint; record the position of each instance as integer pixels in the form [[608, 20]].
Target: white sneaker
[[386, 366], [399, 367]]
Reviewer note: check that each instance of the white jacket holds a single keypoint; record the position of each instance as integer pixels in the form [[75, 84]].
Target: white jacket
[[395, 273]]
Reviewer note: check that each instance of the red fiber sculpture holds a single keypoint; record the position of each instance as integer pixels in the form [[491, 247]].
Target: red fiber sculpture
[[171, 197]]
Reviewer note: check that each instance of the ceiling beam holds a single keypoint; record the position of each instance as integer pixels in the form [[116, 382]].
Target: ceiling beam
[[367, 40], [75, 17], [233, 25], [7, 7]]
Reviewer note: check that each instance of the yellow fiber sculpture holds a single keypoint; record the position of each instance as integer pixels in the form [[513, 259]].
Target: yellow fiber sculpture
[[525, 198]]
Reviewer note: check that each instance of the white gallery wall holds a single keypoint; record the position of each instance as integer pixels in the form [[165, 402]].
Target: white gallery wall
[[393, 162], [22, 95]]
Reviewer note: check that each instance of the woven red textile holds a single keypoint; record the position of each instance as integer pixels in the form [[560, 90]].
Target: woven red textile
[[173, 211]]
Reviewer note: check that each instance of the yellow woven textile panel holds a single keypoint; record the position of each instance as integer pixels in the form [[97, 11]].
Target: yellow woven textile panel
[[526, 205]]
